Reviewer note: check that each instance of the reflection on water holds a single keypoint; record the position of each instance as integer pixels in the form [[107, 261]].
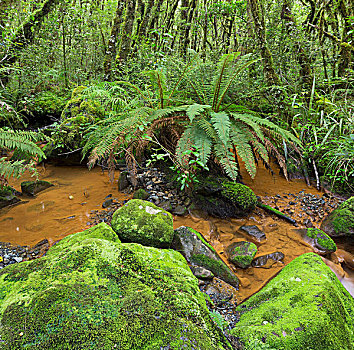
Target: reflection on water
[[59, 210]]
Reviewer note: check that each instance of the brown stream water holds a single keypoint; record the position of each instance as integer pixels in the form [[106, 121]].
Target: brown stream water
[[53, 215]]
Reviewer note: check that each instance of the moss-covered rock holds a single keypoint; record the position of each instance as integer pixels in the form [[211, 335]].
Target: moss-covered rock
[[240, 195], [321, 240], [79, 113], [198, 252], [242, 253], [7, 196], [140, 194], [47, 103], [33, 187], [340, 222], [93, 293], [223, 198], [303, 307], [143, 222]]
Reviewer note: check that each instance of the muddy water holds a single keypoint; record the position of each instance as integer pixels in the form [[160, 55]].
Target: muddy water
[[52, 214]]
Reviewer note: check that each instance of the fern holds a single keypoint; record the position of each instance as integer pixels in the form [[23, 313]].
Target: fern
[[24, 142]]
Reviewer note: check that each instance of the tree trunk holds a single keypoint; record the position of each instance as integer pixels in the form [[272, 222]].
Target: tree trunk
[[112, 42], [25, 35], [270, 75], [127, 30], [301, 55]]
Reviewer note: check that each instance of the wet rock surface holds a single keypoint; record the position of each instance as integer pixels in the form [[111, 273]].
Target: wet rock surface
[[11, 254], [268, 260], [198, 252], [254, 232], [242, 253], [31, 188]]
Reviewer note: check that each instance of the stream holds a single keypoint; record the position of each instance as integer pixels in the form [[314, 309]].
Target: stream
[[78, 193]]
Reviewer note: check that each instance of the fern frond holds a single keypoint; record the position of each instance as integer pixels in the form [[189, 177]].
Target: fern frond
[[195, 110], [221, 123], [227, 160], [22, 141], [241, 142]]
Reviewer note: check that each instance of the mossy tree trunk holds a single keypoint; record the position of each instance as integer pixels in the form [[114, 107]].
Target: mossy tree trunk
[[111, 52], [127, 30], [270, 75], [303, 58], [25, 35]]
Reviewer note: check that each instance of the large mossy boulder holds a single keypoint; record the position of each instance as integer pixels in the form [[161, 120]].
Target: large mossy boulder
[[222, 198], [31, 188], [303, 307], [198, 252], [340, 222], [7, 197], [90, 292], [143, 222]]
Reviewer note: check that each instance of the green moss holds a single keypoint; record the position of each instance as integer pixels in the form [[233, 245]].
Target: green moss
[[140, 194], [143, 222], [92, 293], [303, 307], [217, 267], [341, 221], [323, 240], [200, 236], [77, 91], [5, 191], [100, 231], [47, 102], [243, 254], [241, 195]]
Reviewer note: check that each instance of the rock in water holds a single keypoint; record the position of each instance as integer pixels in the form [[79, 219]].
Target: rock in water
[[268, 260], [33, 187], [254, 232], [321, 240], [222, 198], [140, 194], [340, 222], [142, 222], [242, 253], [7, 197], [123, 181], [303, 307], [198, 252], [89, 292]]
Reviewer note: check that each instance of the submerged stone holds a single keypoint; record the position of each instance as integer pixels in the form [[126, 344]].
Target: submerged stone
[[242, 253], [254, 232], [89, 292], [199, 252], [340, 222], [142, 222], [303, 307], [268, 260], [33, 187]]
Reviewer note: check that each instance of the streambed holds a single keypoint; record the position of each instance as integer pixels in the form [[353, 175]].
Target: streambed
[[78, 193]]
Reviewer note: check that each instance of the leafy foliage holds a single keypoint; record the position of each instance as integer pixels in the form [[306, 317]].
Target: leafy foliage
[[24, 143]]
